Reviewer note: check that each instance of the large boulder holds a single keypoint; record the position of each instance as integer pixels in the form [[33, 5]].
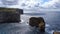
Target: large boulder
[[37, 22]]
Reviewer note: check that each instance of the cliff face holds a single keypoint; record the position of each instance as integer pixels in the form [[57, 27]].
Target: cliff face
[[10, 15], [11, 10]]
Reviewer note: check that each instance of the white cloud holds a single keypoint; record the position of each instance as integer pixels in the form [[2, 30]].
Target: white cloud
[[39, 4], [1, 4], [6, 3], [33, 4], [51, 4]]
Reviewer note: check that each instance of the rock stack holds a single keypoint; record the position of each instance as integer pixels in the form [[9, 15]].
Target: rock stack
[[37, 22]]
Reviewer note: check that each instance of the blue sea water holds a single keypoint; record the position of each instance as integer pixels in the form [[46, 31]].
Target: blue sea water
[[52, 20]]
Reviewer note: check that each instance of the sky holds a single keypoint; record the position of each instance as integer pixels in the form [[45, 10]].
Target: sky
[[31, 4]]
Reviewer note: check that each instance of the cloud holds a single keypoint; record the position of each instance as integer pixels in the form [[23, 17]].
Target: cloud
[[31, 4], [6, 3], [51, 4], [1, 4]]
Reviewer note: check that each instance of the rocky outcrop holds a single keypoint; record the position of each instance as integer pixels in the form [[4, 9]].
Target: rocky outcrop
[[10, 15], [37, 22]]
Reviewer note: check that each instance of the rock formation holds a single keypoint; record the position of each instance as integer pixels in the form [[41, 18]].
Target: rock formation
[[37, 22]]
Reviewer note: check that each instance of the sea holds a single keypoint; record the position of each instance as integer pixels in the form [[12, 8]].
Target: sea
[[52, 24]]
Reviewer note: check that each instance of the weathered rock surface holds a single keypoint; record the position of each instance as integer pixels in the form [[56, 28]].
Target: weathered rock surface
[[38, 22], [10, 15]]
